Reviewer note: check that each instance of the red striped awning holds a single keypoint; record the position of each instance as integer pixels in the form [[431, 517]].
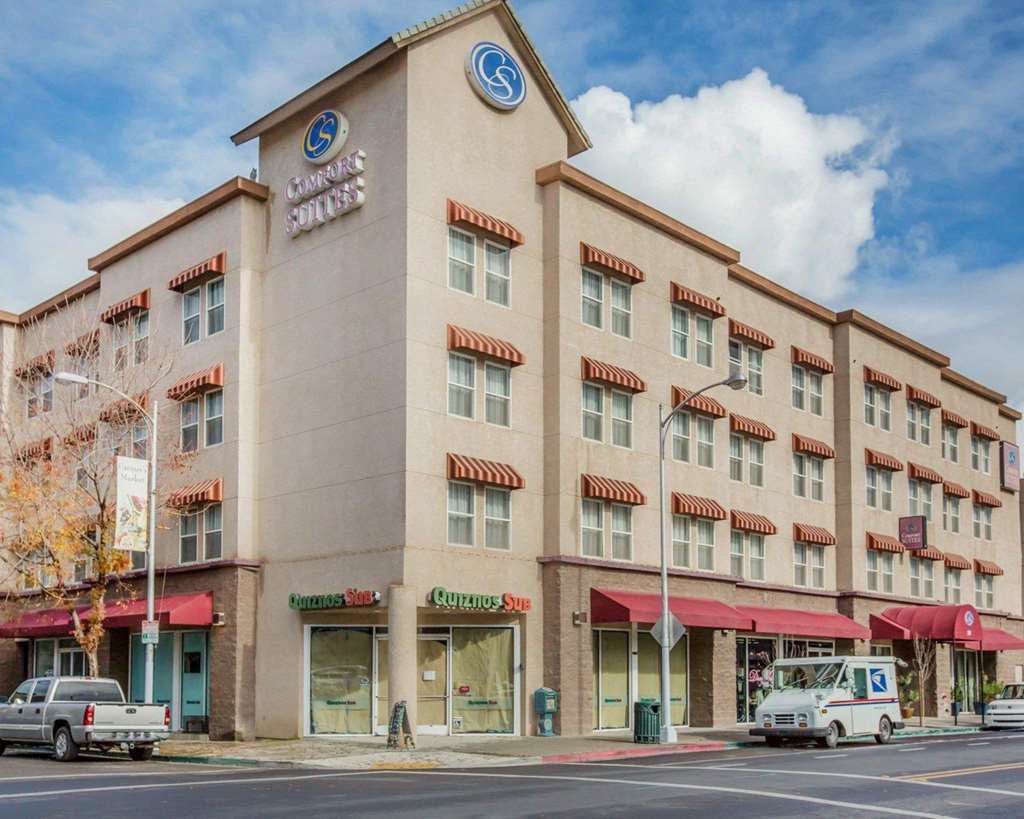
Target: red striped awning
[[809, 359], [805, 533], [696, 506], [702, 403], [85, 345], [954, 419], [955, 489], [82, 434], [883, 543], [211, 491], [460, 338], [917, 472], [748, 426], [750, 522], [922, 397], [983, 431], [591, 256], [214, 265], [201, 381], [872, 376], [595, 486], [123, 411], [41, 363], [985, 499], [927, 553], [37, 450], [465, 215], [737, 329], [812, 446], [955, 561], [465, 468], [987, 567], [114, 313], [684, 295], [591, 370], [875, 458]]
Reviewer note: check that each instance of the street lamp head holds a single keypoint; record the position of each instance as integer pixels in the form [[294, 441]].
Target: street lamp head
[[70, 378], [736, 381]]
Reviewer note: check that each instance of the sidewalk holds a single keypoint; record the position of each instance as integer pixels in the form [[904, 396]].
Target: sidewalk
[[475, 751]]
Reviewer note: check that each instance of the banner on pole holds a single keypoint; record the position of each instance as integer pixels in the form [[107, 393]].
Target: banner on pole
[[132, 526]]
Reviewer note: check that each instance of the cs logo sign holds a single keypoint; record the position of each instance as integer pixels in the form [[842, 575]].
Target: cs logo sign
[[495, 76], [325, 137], [879, 685]]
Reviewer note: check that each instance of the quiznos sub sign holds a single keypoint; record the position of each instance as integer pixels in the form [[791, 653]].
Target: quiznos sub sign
[[440, 596], [340, 600]]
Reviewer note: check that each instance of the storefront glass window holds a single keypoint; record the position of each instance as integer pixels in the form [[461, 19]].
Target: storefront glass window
[[808, 648], [649, 675], [611, 683], [43, 660], [753, 656], [340, 670], [483, 682]]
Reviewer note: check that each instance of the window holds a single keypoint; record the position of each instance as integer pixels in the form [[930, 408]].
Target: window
[[800, 477], [810, 470], [593, 411], [817, 479], [877, 407], [919, 423], [736, 560], [681, 436], [622, 532], [122, 344], [799, 387], [980, 454], [879, 488], [706, 441], [592, 522], [753, 367], [131, 340], [921, 578], [134, 441], [747, 555], [880, 571], [593, 299], [40, 394], [622, 420], [920, 498], [680, 331], [461, 260], [808, 390], [622, 309], [214, 417], [460, 513], [681, 528], [188, 538], [705, 544], [817, 384], [190, 425], [497, 518], [498, 273], [952, 583], [213, 530], [750, 450], [705, 341], [498, 392], [755, 460], [88, 364], [950, 443], [461, 385], [214, 307], [190, 316], [983, 522], [736, 457], [950, 513], [984, 596], [41, 690], [140, 337], [808, 565]]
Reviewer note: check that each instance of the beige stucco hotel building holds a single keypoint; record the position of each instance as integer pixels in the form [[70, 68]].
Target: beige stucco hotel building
[[436, 362]]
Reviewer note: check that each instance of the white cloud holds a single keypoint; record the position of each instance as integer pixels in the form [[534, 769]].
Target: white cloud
[[747, 163]]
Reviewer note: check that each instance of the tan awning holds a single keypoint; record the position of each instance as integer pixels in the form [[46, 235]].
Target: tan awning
[[805, 533], [85, 345], [987, 567], [883, 543], [465, 215], [955, 489], [465, 468], [875, 458], [215, 265], [596, 486], [922, 397], [702, 403], [116, 312], [985, 499], [737, 329], [210, 378], [872, 376], [211, 491], [696, 506], [591, 256], [591, 370], [812, 446], [42, 363], [955, 561], [917, 472], [750, 522], [809, 359], [983, 431], [684, 295], [459, 338], [123, 411], [954, 419], [748, 426]]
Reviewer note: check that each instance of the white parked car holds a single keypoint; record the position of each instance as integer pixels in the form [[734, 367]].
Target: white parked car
[[825, 698], [1006, 710]]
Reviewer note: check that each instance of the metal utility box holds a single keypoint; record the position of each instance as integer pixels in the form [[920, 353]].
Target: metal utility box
[[545, 706]]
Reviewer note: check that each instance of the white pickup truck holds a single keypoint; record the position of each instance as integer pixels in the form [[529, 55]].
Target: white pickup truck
[[74, 713]]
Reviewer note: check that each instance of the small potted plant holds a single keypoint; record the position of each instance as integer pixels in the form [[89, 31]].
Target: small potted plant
[[957, 695], [990, 689], [908, 694]]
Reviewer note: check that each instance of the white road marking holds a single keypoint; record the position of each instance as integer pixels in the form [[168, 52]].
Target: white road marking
[[108, 774], [830, 756], [793, 797], [731, 765], [976, 744], [909, 750]]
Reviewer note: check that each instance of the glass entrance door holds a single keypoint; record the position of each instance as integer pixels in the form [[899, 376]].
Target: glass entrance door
[[193, 675], [611, 679], [163, 670], [753, 656], [649, 675], [432, 685], [968, 678]]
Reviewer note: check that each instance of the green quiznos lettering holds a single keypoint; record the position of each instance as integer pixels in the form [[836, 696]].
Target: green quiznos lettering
[[437, 596]]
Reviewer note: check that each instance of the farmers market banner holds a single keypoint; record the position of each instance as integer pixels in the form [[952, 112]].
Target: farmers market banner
[[130, 533]]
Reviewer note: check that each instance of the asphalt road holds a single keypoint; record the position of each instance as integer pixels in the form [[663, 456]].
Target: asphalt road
[[962, 776]]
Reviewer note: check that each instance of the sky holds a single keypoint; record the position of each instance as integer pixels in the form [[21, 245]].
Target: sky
[[867, 154]]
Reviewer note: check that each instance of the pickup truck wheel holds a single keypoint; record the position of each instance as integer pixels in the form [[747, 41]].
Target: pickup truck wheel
[[141, 754], [831, 738], [65, 749], [884, 731], [773, 742]]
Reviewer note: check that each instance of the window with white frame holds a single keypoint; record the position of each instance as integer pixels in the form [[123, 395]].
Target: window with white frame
[[498, 394], [497, 517], [461, 513], [213, 532], [498, 273], [39, 388], [880, 571], [952, 581], [682, 526], [877, 407], [133, 440], [950, 513], [705, 341], [799, 379], [984, 591], [214, 306], [746, 457], [592, 527], [879, 488], [746, 552], [461, 385], [592, 308], [919, 423], [622, 308], [461, 260], [622, 419], [706, 441], [748, 360], [122, 338], [951, 443], [705, 544], [922, 578], [622, 531], [213, 410], [799, 475], [190, 316], [816, 384], [920, 496], [200, 534], [809, 565], [188, 537], [140, 337], [680, 331], [809, 477], [980, 454], [131, 340], [87, 363], [982, 521], [189, 411], [681, 436], [817, 466], [592, 405]]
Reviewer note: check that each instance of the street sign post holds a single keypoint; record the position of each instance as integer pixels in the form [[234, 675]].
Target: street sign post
[[676, 630], [150, 632]]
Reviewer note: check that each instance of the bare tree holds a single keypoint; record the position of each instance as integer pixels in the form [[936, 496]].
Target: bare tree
[[924, 665]]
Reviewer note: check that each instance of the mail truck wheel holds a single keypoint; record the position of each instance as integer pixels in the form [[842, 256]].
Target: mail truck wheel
[[884, 731], [773, 742], [65, 749], [831, 738]]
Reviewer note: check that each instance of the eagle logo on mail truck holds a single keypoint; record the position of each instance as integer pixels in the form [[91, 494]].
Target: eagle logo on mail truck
[[879, 684], [325, 137], [495, 76]]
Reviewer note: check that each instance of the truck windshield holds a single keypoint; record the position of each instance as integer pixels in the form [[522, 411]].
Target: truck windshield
[[808, 675], [1012, 692], [88, 692]]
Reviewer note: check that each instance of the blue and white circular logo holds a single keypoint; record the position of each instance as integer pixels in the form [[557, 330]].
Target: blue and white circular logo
[[496, 76], [969, 618], [325, 137]]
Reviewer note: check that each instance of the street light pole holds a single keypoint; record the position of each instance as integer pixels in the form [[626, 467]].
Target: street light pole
[[668, 731]]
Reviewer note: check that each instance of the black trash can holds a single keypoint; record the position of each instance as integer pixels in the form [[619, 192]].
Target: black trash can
[[646, 722]]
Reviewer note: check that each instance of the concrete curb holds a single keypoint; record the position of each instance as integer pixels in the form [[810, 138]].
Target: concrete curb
[[644, 750]]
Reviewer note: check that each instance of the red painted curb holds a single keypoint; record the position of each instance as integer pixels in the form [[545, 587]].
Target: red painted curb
[[650, 750]]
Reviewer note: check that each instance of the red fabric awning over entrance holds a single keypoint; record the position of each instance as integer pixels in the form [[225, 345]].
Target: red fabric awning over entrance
[[803, 623], [610, 606], [995, 639], [174, 610], [945, 623]]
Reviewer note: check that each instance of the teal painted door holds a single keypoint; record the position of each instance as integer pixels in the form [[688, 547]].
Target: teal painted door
[[163, 671], [193, 674]]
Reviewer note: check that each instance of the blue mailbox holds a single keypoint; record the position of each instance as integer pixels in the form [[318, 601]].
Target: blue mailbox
[[545, 706]]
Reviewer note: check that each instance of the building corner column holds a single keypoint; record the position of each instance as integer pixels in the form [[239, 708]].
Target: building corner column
[[402, 653]]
